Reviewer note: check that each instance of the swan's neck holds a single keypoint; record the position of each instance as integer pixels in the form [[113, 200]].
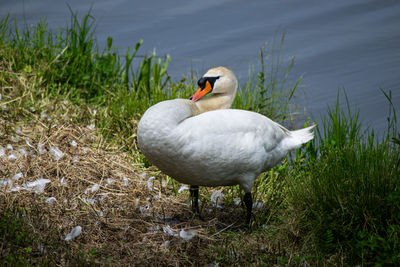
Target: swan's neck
[[167, 114], [215, 101]]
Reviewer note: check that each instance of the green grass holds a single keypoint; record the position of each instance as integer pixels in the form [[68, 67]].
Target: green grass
[[19, 238], [344, 195], [336, 201]]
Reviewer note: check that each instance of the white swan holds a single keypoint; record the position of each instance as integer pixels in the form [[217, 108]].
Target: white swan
[[201, 142]]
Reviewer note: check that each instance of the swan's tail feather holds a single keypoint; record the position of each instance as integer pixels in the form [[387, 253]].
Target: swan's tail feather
[[299, 137]]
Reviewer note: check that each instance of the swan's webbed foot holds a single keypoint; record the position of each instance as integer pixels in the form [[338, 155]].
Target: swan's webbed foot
[[249, 205]]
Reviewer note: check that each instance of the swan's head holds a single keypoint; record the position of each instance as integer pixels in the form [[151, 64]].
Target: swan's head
[[217, 81]]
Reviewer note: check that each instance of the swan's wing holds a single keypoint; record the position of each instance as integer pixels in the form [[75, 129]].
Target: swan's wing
[[229, 123], [227, 135]]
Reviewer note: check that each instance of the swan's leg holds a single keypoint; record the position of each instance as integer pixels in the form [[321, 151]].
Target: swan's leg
[[249, 205], [194, 196]]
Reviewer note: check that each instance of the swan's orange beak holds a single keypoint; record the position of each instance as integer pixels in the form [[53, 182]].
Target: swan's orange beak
[[201, 92]]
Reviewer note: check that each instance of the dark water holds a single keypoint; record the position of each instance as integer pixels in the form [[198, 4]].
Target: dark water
[[351, 44]]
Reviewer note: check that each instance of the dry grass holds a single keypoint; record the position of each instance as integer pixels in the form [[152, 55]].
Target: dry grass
[[123, 220], [135, 216]]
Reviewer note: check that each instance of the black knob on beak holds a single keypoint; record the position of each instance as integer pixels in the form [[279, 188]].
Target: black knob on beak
[[202, 82]]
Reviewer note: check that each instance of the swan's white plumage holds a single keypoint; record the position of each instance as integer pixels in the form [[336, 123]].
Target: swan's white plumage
[[214, 148]]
